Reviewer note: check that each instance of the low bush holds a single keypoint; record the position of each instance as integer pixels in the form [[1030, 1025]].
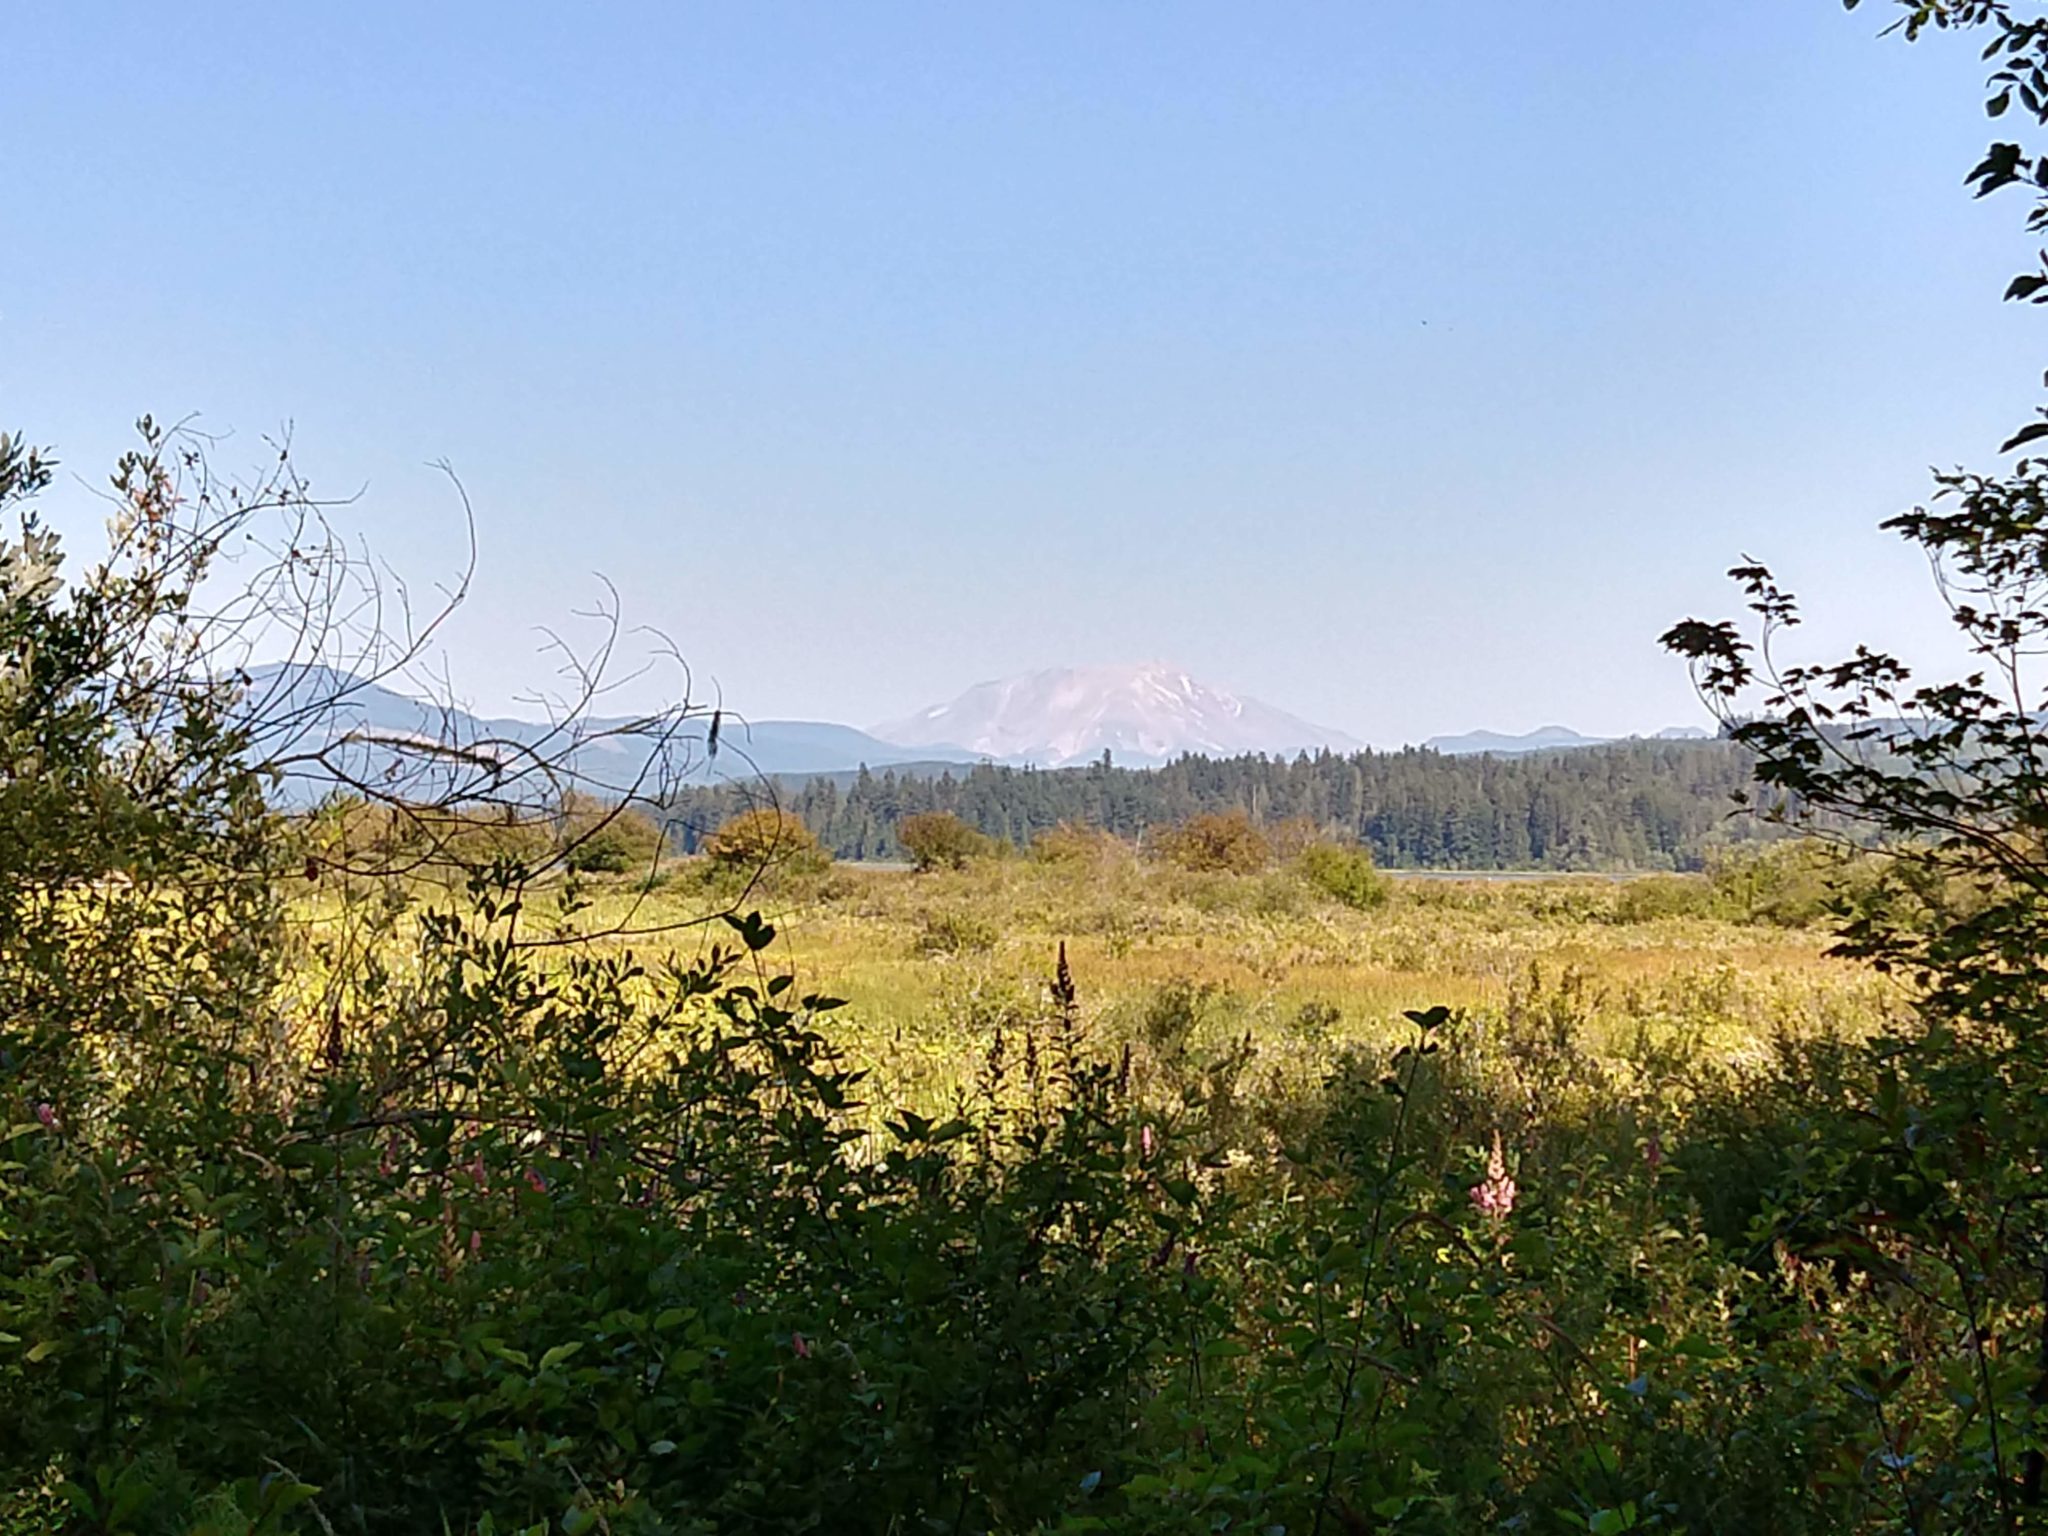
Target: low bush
[[1292, 836], [1654, 897], [611, 840], [939, 839], [1072, 843], [1215, 844], [766, 841], [956, 933], [1791, 884], [1344, 874]]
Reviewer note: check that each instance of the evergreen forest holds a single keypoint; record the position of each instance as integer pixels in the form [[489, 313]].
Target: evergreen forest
[[1634, 805]]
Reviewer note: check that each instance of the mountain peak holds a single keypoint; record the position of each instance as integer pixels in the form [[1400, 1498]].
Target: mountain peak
[[1139, 712]]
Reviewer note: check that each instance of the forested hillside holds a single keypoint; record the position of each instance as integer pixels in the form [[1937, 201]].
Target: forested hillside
[[1632, 805]]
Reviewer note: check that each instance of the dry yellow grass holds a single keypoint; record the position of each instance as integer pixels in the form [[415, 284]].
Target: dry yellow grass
[[932, 964]]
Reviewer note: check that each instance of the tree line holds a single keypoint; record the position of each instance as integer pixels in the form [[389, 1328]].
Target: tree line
[[1629, 805]]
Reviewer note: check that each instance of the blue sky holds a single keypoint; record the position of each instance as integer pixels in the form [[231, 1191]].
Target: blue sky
[[1409, 367]]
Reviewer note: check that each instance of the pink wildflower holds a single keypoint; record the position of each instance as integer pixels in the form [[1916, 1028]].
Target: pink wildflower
[[1495, 1194], [537, 1180], [797, 1343], [476, 1244], [46, 1116], [1145, 1143]]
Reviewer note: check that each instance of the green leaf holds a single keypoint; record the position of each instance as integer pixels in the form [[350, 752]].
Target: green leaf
[[2025, 435], [557, 1355], [285, 1493], [755, 931]]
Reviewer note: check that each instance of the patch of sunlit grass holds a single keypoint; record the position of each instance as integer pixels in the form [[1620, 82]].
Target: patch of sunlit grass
[[932, 965]]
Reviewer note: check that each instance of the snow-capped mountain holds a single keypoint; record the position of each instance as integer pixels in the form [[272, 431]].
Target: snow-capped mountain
[[1140, 714]]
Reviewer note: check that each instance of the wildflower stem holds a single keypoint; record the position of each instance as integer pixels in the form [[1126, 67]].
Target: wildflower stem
[[1372, 1260]]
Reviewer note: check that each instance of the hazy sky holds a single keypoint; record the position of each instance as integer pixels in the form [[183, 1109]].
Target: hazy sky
[[1407, 366]]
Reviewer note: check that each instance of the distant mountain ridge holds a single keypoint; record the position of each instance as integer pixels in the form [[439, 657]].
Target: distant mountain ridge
[[360, 715], [1546, 738], [1142, 714]]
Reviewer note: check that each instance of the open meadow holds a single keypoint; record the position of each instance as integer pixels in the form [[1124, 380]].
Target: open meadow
[[934, 965]]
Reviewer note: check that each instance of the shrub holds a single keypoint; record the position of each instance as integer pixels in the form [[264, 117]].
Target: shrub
[[766, 840], [1344, 874], [609, 840], [1793, 883], [938, 839], [1662, 896], [1225, 843], [348, 832], [1288, 839], [1073, 843], [584, 834], [1275, 895], [956, 933]]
